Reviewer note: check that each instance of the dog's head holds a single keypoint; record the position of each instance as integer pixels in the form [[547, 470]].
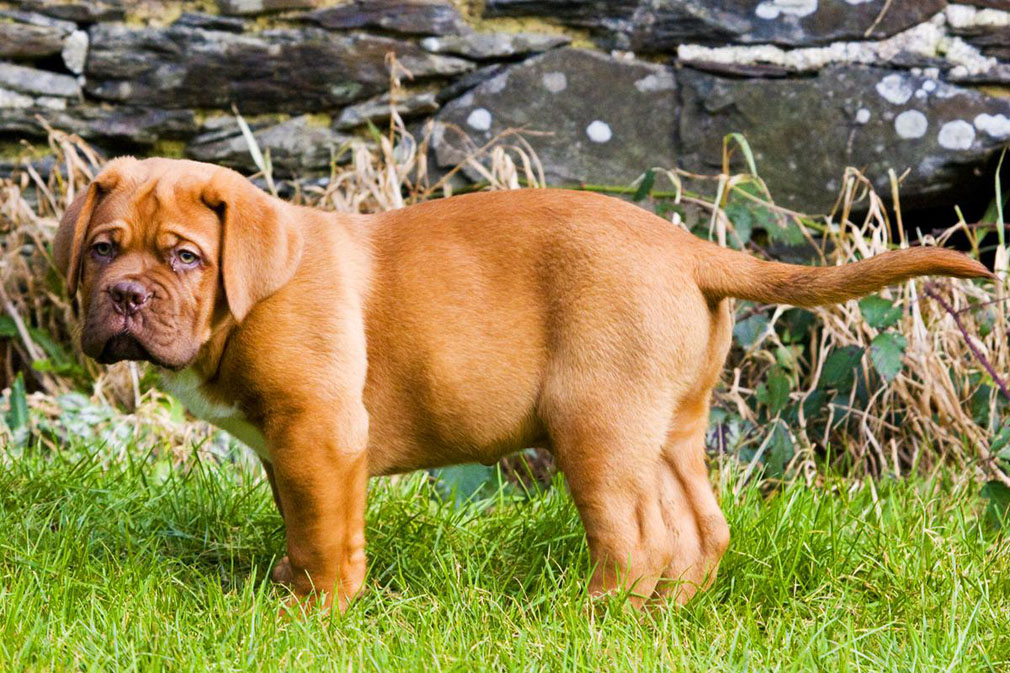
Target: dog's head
[[164, 250]]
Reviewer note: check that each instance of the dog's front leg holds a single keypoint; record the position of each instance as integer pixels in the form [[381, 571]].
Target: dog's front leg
[[320, 472]]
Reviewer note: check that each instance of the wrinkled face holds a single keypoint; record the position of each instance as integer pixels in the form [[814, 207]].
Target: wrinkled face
[[149, 269], [164, 252]]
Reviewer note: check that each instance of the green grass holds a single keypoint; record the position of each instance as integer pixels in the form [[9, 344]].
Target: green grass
[[137, 566]]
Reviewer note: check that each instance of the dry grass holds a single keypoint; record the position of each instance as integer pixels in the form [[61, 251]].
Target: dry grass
[[918, 421]]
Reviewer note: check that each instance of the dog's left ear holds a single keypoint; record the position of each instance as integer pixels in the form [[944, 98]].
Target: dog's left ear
[[69, 239], [259, 249]]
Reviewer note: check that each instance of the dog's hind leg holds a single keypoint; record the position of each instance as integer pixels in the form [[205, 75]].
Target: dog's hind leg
[[610, 464], [690, 508]]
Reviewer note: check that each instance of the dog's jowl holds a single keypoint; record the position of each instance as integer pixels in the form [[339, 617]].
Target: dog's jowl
[[342, 346]]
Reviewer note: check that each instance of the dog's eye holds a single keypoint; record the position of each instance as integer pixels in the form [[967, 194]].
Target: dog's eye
[[187, 257], [102, 249]]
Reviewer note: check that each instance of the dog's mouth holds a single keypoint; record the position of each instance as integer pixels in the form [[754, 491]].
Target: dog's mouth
[[125, 346]]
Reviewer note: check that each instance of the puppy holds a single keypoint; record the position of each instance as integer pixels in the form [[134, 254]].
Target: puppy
[[341, 346]]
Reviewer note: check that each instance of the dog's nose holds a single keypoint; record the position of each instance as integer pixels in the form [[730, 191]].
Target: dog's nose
[[128, 296]]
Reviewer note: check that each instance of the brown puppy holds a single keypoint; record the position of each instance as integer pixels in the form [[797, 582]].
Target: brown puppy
[[342, 346]]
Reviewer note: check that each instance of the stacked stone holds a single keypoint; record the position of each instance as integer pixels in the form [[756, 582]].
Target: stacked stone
[[815, 85]]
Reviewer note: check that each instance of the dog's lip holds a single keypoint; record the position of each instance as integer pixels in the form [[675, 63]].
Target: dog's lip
[[126, 346], [123, 346]]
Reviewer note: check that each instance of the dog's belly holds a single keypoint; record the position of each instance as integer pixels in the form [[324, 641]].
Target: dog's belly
[[469, 412]]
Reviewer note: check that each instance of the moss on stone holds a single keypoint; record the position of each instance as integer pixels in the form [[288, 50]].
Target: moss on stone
[[16, 150], [173, 149], [995, 90], [319, 120]]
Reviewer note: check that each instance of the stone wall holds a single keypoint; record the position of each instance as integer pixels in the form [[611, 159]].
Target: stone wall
[[815, 85]]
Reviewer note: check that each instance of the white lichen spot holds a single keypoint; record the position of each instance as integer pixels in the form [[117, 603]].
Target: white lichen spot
[[966, 56], [929, 86], [773, 9], [859, 2], [911, 124], [479, 119], [895, 89], [956, 135], [997, 126], [555, 82], [958, 71], [926, 40], [599, 132], [661, 81], [965, 17], [466, 100], [862, 115]]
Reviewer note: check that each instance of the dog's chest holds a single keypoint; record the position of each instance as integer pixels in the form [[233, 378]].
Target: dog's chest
[[187, 387]]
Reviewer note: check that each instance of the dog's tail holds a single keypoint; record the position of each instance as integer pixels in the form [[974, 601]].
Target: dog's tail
[[721, 272]]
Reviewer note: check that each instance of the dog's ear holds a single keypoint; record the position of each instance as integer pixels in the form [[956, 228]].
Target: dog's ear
[[259, 249], [73, 229]]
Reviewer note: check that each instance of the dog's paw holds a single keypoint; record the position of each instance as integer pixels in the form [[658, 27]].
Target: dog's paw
[[281, 573]]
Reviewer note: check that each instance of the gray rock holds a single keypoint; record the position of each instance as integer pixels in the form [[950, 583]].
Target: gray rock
[[38, 82], [608, 119], [412, 17], [250, 7], [804, 132], [124, 125], [26, 41], [88, 11], [301, 70], [210, 22], [482, 46], [12, 100], [661, 25], [461, 85], [377, 109], [36, 19], [295, 145], [75, 51]]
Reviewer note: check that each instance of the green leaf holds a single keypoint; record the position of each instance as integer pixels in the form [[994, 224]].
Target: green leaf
[[742, 219], [778, 390], [797, 323], [645, 186], [886, 352], [788, 357], [780, 451], [839, 368], [998, 495], [879, 312], [17, 415], [463, 482], [1001, 443], [748, 331], [790, 234]]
